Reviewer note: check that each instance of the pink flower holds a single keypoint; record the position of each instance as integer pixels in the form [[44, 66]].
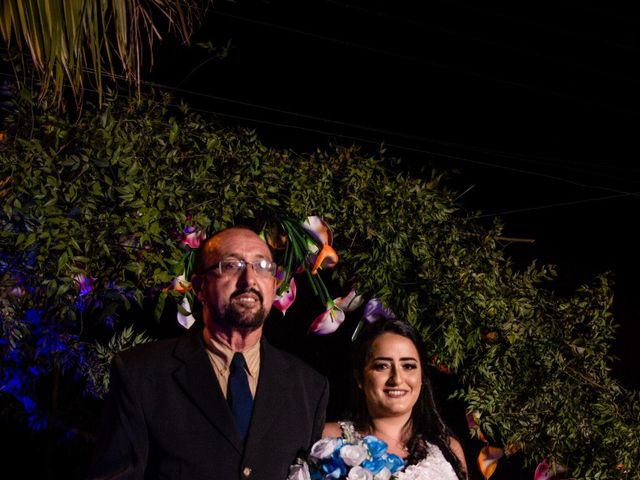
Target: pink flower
[[283, 301], [193, 237], [544, 471], [329, 320], [349, 302]]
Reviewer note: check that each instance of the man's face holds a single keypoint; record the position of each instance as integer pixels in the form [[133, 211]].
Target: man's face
[[240, 299]]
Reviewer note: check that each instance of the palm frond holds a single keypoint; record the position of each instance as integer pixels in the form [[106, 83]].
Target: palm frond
[[74, 41]]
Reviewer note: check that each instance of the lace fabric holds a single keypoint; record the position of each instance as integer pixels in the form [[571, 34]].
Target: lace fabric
[[433, 467]]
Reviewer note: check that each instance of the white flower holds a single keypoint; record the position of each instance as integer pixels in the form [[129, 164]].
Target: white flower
[[299, 472], [185, 320], [324, 448], [359, 473], [384, 474], [354, 454]]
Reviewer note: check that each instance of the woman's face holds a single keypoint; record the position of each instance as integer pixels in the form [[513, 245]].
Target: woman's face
[[392, 376]]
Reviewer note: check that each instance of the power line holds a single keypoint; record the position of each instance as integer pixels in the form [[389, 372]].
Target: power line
[[392, 133], [556, 205], [374, 142], [438, 65], [620, 193]]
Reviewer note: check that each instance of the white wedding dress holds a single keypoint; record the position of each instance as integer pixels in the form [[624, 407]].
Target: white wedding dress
[[433, 467]]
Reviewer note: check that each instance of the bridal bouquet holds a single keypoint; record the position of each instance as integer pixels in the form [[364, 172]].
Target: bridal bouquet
[[341, 458]]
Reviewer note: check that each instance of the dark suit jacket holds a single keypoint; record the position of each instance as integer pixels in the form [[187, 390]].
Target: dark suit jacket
[[166, 416]]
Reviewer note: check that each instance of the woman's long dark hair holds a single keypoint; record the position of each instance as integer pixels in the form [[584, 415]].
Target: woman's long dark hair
[[427, 424]]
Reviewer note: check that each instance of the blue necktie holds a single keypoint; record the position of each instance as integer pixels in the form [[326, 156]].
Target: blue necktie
[[239, 395]]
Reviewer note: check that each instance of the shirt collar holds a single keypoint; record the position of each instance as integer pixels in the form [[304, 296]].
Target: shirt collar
[[224, 353]]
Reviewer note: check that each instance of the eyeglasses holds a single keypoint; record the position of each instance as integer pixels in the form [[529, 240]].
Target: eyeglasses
[[230, 268]]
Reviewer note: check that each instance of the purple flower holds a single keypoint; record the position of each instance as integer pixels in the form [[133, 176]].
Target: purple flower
[[84, 283], [374, 310]]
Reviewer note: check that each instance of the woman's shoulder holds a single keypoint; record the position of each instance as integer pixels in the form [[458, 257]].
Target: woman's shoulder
[[332, 429], [341, 428], [458, 451]]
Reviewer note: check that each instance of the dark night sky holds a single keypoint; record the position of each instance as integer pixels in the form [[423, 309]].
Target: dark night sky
[[535, 107]]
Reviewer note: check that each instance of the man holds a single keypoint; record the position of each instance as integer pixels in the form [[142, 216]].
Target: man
[[168, 414]]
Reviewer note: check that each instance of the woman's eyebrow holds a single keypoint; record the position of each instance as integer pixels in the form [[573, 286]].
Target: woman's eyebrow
[[389, 359]]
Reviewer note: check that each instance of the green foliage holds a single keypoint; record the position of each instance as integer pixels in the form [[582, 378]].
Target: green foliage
[[74, 42], [107, 197]]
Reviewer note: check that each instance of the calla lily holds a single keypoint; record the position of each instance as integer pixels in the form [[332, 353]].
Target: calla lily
[[374, 309], [180, 284], [328, 321], [544, 471], [84, 283], [285, 300], [472, 423], [327, 258], [319, 230], [193, 237], [488, 460], [184, 316], [349, 302]]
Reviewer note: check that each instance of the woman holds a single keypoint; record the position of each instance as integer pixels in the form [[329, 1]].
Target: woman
[[393, 401]]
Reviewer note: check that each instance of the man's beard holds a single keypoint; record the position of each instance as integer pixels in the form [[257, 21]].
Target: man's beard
[[237, 318], [251, 321]]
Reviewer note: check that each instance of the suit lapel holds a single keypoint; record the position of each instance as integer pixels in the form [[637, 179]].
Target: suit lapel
[[198, 381], [268, 400]]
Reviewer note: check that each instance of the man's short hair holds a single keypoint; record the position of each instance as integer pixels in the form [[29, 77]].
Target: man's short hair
[[201, 256]]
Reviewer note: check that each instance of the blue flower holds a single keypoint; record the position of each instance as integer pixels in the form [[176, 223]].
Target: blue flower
[[376, 446], [374, 465], [334, 466], [338, 457], [394, 462]]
